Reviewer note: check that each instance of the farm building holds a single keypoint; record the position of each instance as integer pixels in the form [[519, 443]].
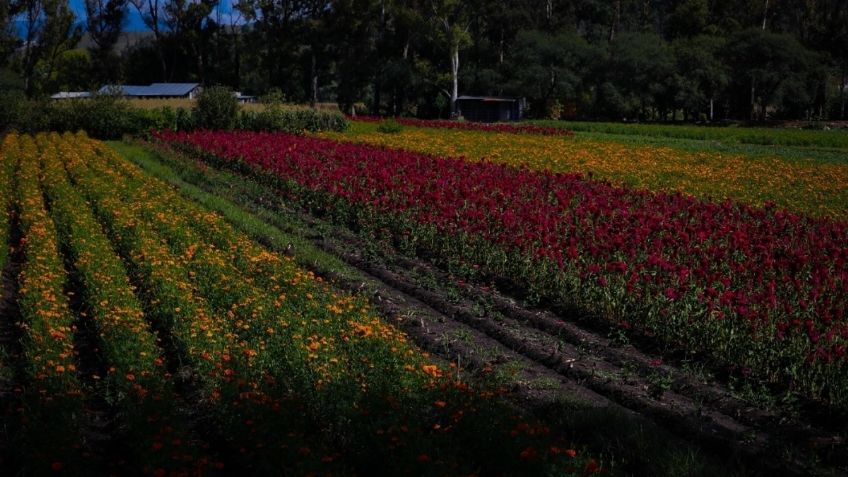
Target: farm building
[[71, 95], [155, 90], [244, 98], [490, 108]]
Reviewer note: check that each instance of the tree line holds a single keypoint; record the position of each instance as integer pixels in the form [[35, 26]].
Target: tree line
[[696, 60]]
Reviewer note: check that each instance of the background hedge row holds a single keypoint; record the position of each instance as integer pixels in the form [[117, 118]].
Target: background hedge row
[[110, 117]]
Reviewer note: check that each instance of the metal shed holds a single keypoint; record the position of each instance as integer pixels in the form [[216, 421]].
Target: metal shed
[[155, 90], [490, 108]]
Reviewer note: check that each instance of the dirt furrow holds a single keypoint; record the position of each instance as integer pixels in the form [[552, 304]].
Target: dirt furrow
[[10, 343], [821, 426]]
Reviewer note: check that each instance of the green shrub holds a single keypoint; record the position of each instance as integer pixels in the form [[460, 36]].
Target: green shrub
[[216, 108], [185, 120], [13, 109], [274, 97], [389, 126], [292, 120]]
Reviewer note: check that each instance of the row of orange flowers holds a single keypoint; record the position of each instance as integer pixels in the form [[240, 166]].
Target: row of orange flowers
[[245, 405], [52, 398], [136, 380]]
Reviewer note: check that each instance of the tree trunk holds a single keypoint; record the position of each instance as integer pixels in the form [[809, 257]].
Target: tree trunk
[[313, 100], [454, 79], [201, 68], [765, 15], [33, 12], [501, 48], [375, 108], [616, 19], [842, 91], [753, 100], [712, 109]]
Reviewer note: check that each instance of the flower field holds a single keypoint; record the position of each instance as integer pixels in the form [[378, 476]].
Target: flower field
[[802, 185], [206, 352], [760, 290]]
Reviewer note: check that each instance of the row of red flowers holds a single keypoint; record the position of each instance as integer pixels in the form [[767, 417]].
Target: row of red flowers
[[758, 288], [512, 128]]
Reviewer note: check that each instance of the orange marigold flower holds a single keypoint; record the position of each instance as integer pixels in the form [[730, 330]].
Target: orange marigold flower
[[130, 377], [570, 452], [432, 370], [60, 369], [440, 404]]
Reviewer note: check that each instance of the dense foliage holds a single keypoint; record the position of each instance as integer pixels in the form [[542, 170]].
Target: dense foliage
[[291, 120], [761, 290], [621, 59], [103, 117], [216, 108]]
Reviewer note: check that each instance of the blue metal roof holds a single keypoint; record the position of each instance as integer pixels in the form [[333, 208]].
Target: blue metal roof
[[155, 89], [171, 89]]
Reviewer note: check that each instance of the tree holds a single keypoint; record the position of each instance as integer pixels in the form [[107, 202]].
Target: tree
[[190, 30], [356, 27], [640, 75], [49, 31], [105, 21], [781, 71], [151, 13], [689, 18], [545, 67], [271, 44], [315, 28], [451, 22], [701, 75], [9, 10]]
